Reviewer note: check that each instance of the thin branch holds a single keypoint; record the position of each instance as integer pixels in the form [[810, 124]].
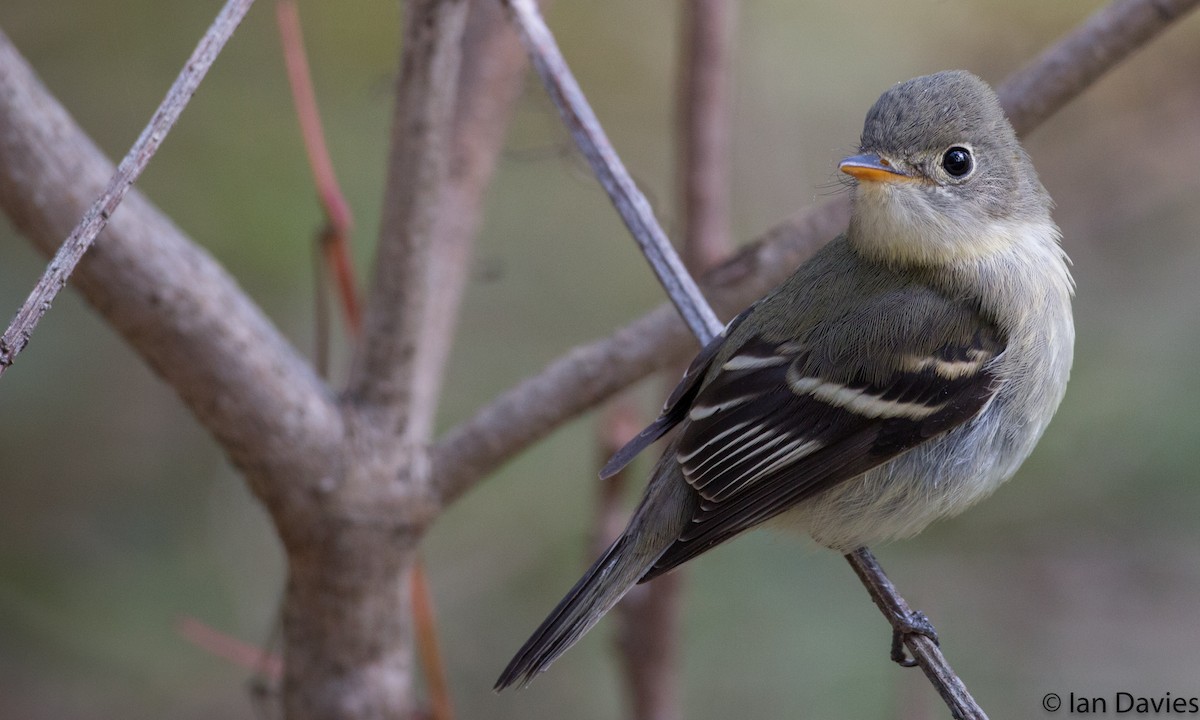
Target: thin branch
[[384, 376], [1067, 68], [440, 705], [703, 117], [291, 36], [648, 616], [572, 384], [223, 645], [629, 201], [334, 238], [16, 337], [926, 652]]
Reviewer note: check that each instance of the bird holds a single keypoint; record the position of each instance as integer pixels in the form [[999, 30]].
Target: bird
[[897, 377]]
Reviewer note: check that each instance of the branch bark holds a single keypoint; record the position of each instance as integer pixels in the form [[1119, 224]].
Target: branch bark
[[385, 374], [345, 620], [1097, 45], [924, 650], [703, 117]]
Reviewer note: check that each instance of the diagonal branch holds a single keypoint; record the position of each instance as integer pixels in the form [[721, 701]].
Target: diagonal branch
[[573, 384], [629, 201], [16, 337], [1097, 45]]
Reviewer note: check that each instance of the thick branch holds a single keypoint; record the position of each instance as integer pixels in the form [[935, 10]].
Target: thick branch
[[570, 385], [16, 337], [385, 374], [170, 300], [490, 80]]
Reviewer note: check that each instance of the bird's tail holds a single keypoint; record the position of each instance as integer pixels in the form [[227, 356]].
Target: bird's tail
[[654, 526]]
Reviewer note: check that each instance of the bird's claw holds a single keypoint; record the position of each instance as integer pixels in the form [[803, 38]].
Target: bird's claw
[[914, 624]]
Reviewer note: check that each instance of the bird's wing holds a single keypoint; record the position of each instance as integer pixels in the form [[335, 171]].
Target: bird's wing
[[777, 424], [676, 407]]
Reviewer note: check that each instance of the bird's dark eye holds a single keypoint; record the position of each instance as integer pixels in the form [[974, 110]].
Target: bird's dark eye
[[957, 161]]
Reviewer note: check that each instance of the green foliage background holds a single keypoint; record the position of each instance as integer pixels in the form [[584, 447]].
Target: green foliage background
[[118, 515]]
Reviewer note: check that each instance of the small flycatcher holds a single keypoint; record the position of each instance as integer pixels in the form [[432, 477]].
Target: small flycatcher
[[897, 377]]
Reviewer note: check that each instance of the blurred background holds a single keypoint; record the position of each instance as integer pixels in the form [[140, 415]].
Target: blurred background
[[119, 516]]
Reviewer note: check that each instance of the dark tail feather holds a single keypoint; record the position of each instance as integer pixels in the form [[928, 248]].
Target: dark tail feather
[[597, 591], [666, 508]]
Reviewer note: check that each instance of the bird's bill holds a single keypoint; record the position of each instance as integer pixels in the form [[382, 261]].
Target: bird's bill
[[871, 168]]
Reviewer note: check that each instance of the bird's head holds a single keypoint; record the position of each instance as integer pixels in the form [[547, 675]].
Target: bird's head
[[940, 174]]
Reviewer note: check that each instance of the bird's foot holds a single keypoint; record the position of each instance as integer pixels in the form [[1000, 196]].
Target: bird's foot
[[914, 624]]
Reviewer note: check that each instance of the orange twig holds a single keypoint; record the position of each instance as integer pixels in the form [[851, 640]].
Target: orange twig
[[227, 647], [440, 705], [335, 236]]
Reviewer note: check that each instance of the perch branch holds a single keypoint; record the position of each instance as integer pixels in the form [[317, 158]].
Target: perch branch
[[16, 337], [928, 655]]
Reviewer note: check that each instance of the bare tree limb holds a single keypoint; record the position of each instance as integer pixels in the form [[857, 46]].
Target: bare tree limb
[[703, 117], [170, 300], [16, 337], [492, 73], [1067, 68], [385, 375], [629, 201]]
